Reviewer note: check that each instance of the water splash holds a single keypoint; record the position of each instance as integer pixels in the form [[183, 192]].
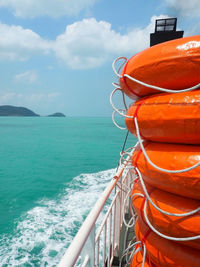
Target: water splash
[[44, 232]]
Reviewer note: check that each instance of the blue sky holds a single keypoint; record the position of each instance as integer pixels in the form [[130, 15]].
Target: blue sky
[[56, 55]]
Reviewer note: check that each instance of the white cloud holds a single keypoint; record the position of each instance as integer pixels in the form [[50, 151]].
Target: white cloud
[[50, 67], [89, 43], [84, 44], [27, 99], [19, 43], [4, 98], [185, 7], [28, 76], [52, 96], [41, 97], [53, 8], [35, 97]]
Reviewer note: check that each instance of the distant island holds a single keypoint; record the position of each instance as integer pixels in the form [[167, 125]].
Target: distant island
[[57, 114], [16, 111], [12, 111]]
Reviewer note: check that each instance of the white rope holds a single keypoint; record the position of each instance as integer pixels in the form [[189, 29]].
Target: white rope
[[127, 252], [156, 207], [119, 111], [126, 151], [137, 195], [134, 252], [165, 236], [131, 222], [113, 106], [154, 165], [116, 85], [125, 241], [124, 101], [115, 123], [124, 160], [144, 254], [114, 63], [160, 88]]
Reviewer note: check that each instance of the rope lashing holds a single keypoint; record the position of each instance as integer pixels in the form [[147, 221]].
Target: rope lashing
[[113, 106], [136, 249]]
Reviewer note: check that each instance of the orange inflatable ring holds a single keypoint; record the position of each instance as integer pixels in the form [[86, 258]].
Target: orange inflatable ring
[[180, 227], [173, 65], [171, 157], [137, 261], [172, 118], [164, 252]]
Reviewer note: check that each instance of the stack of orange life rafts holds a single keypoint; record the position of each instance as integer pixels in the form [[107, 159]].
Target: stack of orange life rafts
[[166, 194]]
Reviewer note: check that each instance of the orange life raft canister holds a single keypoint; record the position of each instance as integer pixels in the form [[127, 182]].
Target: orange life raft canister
[[164, 252], [170, 157], [174, 226], [172, 118], [173, 65]]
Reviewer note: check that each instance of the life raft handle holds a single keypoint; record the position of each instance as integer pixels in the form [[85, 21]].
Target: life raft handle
[[119, 111], [115, 123], [117, 72], [113, 106], [154, 165]]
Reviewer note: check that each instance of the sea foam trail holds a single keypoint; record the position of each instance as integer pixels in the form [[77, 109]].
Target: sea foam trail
[[44, 232]]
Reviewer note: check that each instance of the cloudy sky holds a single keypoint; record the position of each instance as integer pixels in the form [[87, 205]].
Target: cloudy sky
[[56, 55]]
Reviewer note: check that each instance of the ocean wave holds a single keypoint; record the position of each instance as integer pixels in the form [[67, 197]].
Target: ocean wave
[[44, 232]]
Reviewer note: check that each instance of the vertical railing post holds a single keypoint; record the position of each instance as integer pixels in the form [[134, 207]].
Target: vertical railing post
[[89, 250], [117, 224]]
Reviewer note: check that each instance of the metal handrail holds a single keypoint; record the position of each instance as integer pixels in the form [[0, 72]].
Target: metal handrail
[[73, 252]]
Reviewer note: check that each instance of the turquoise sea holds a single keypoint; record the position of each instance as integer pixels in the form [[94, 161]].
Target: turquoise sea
[[52, 170]]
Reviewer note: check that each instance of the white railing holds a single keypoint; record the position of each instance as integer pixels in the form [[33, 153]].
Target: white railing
[[98, 247]]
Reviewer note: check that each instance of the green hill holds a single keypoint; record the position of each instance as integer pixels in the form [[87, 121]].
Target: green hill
[[13, 111]]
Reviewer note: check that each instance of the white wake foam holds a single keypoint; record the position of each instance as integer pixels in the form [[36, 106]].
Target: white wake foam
[[43, 234]]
